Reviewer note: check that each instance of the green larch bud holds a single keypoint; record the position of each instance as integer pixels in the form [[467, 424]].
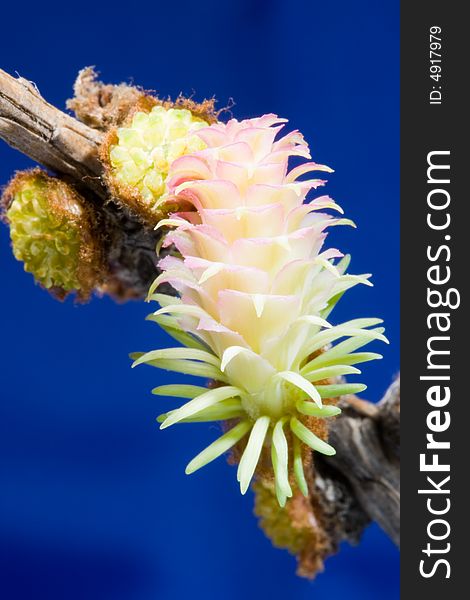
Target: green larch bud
[[137, 157], [52, 233]]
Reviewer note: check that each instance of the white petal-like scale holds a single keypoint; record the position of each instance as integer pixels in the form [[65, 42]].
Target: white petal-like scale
[[224, 443], [194, 406], [280, 457], [309, 438], [251, 454], [299, 467], [303, 384], [222, 411]]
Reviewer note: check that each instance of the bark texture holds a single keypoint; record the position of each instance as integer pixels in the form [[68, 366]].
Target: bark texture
[[363, 478], [47, 135]]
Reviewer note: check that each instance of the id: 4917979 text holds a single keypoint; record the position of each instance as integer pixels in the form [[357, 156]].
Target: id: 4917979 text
[[435, 64]]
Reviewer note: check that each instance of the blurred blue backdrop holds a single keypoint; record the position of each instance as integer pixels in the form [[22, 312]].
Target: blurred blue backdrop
[[94, 503]]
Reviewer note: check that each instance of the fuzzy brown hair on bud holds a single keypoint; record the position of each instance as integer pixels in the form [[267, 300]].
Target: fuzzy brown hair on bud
[[102, 105], [106, 105]]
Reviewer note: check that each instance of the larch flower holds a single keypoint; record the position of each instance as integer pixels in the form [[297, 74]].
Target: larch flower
[[256, 288]]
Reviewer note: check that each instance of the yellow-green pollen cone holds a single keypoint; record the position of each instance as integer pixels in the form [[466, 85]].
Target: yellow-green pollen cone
[[140, 155], [256, 288], [277, 522], [51, 230]]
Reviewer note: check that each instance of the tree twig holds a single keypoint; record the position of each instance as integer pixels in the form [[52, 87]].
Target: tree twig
[[47, 135], [367, 461]]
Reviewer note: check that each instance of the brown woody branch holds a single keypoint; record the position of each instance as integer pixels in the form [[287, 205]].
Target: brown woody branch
[[364, 475], [47, 135]]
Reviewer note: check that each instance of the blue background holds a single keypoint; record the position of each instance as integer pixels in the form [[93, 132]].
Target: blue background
[[94, 503]]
